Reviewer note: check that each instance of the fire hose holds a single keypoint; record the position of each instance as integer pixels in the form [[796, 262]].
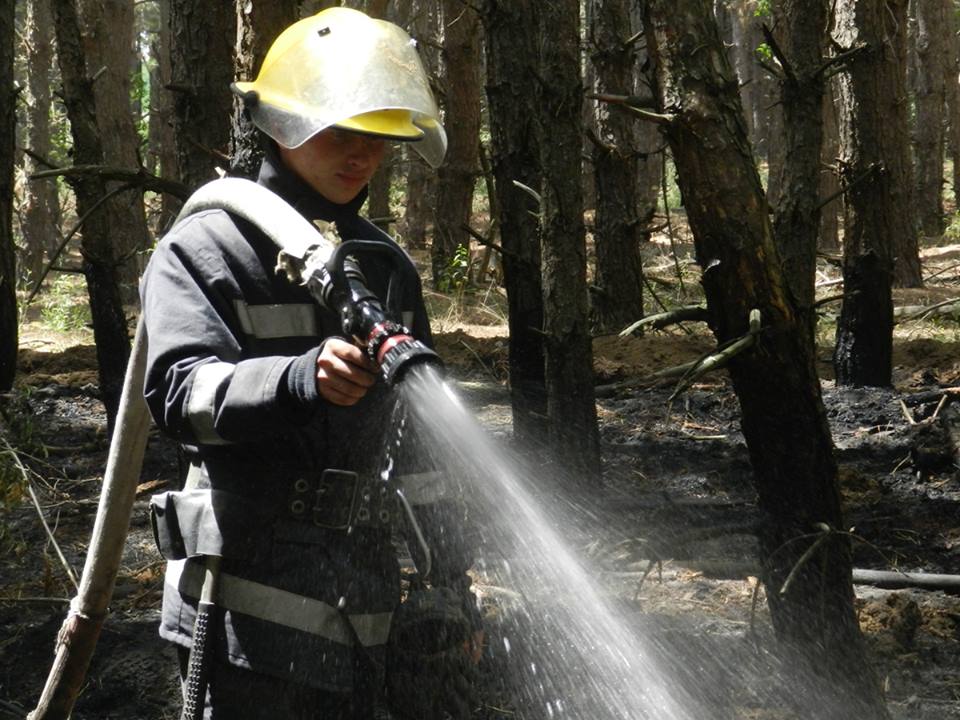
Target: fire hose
[[337, 283]]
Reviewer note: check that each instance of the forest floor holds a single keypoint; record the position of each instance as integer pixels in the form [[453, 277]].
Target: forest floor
[[677, 489]]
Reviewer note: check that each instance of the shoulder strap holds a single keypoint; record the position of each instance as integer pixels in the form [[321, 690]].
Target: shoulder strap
[[274, 217]]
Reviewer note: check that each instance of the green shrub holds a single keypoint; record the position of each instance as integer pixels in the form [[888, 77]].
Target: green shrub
[[455, 275], [64, 306]]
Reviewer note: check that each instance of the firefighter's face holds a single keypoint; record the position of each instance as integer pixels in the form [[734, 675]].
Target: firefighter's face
[[336, 163]]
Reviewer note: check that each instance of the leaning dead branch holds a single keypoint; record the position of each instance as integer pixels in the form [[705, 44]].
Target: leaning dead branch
[[636, 105], [689, 372], [721, 357], [137, 177], [658, 321]]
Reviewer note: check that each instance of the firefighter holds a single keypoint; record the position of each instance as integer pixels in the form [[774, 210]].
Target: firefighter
[[283, 421]]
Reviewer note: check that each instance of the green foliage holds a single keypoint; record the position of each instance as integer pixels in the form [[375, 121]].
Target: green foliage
[[140, 98], [673, 199], [952, 231], [454, 277], [64, 306], [764, 8], [764, 52]]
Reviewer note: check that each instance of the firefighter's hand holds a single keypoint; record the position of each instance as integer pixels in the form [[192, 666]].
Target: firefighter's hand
[[344, 372]]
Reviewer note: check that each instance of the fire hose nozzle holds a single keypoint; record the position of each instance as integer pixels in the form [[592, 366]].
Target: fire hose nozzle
[[399, 352], [338, 284]]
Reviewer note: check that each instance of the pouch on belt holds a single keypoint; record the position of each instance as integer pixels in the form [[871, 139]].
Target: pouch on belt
[[188, 523]]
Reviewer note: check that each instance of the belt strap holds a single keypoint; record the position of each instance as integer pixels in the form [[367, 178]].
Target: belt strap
[[282, 607]]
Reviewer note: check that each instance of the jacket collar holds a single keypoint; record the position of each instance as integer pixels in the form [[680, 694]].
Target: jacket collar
[[276, 176]]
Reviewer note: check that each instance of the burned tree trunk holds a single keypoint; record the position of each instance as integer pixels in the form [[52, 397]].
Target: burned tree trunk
[[8, 263], [951, 67], [511, 83], [930, 97], [461, 105], [378, 198], [99, 256], [783, 418], [162, 148], [617, 299], [107, 32], [829, 182], [421, 179], [40, 209], [201, 60], [796, 221], [571, 405], [875, 174], [258, 25]]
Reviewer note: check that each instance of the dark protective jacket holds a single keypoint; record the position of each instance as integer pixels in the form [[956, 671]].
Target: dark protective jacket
[[230, 374]]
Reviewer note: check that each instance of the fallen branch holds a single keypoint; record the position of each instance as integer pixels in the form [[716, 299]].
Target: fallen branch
[[906, 313], [884, 579], [611, 389], [895, 580], [689, 372], [931, 395], [36, 600], [658, 321]]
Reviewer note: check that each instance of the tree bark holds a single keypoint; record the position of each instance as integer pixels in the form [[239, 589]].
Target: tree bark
[[162, 141], [378, 199], [99, 258], [742, 46], [648, 140], [571, 405], [203, 35], [418, 210], [829, 180], [108, 48], [421, 180], [796, 221], [258, 25], [8, 263], [783, 419], [875, 173], [40, 208], [617, 298], [952, 98], [930, 99], [461, 105], [906, 267], [514, 157]]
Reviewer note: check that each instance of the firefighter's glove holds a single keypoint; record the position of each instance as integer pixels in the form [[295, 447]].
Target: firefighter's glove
[[431, 674]]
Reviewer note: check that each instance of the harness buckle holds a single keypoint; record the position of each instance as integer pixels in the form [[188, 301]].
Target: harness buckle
[[343, 500]]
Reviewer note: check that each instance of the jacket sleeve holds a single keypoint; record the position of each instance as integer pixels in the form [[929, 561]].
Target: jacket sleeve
[[201, 385]]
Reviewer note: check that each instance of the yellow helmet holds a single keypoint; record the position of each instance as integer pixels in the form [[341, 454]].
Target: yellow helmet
[[342, 68]]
